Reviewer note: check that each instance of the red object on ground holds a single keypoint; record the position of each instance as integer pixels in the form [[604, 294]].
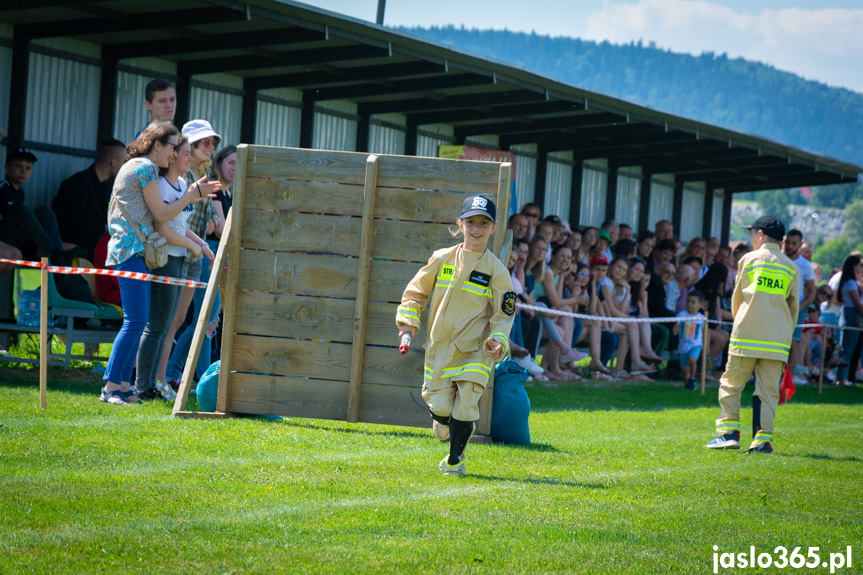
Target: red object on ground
[[788, 388]]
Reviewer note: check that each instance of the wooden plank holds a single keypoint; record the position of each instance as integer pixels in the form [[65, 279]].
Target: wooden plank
[[330, 319], [327, 276], [229, 301], [334, 198], [290, 231], [503, 190], [394, 405], [294, 357], [439, 174], [201, 327], [44, 342], [338, 235], [301, 196], [411, 241], [202, 414], [483, 425], [386, 366], [366, 244], [282, 315], [418, 205], [389, 279], [288, 396], [303, 164]]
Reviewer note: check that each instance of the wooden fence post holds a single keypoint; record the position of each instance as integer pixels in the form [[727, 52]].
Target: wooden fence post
[[44, 342], [203, 317], [366, 240]]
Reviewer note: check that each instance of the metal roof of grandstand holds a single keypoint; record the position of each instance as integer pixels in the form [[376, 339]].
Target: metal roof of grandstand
[[278, 43]]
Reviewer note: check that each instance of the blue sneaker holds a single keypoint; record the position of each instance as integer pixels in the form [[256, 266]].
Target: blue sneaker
[[760, 447], [727, 441]]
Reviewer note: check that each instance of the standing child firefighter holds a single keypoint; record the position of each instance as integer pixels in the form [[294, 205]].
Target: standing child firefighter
[[470, 316], [764, 304]]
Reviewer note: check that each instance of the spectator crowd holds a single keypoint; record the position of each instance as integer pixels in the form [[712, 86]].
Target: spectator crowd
[[612, 272], [179, 182]]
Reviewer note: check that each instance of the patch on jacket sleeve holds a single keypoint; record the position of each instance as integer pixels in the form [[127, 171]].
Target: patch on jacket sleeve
[[508, 305]]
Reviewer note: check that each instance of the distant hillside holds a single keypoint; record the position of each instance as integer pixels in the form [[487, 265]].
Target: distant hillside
[[745, 96]]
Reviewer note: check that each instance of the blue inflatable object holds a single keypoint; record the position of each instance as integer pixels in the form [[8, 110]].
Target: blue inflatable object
[[208, 392], [511, 406], [208, 387]]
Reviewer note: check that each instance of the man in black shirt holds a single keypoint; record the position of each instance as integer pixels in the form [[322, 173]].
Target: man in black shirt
[[20, 226], [81, 203]]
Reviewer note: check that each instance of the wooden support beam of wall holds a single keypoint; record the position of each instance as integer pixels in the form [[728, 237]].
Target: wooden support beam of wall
[[203, 317], [366, 244], [229, 306]]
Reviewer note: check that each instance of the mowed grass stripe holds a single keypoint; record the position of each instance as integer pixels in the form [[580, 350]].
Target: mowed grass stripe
[[617, 481]]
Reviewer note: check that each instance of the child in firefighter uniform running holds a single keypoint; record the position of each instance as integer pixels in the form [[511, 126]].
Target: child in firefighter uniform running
[[470, 317], [764, 304]]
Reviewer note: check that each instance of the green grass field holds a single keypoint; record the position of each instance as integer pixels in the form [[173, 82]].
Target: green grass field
[[617, 481]]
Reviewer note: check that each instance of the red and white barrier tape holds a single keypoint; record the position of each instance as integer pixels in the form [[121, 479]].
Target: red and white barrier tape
[[115, 273]]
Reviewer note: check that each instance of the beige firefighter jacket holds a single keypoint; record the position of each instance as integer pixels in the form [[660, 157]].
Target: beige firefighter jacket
[[764, 304], [471, 300]]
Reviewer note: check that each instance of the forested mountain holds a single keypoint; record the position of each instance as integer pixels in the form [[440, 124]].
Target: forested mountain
[[745, 96]]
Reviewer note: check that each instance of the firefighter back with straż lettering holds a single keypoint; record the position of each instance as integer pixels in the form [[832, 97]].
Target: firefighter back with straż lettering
[[765, 308]]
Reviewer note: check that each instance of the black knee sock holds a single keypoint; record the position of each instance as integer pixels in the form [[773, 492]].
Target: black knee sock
[[444, 420], [459, 435], [756, 415]]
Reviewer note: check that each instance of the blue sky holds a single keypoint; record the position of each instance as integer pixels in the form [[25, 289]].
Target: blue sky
[[818, 39]]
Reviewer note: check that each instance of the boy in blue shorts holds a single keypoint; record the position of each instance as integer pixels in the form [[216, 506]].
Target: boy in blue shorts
[[691, 337]]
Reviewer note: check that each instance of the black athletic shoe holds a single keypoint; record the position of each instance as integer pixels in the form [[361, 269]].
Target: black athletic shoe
[[150, 394], [690, 384]]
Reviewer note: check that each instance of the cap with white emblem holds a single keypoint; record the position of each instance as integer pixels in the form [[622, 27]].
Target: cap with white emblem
[[478, 206]]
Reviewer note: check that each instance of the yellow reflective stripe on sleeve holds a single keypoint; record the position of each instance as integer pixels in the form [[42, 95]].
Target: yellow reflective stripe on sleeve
[[476, 288], [503, 338], [444, 283], [469, 367], [409, 313]]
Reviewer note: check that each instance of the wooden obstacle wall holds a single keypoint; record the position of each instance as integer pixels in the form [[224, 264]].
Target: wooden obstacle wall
[[320, 247]]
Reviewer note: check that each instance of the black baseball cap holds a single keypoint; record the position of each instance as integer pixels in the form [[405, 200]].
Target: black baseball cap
[[19, 153], [771, 226], [552, 219], [478, 206]]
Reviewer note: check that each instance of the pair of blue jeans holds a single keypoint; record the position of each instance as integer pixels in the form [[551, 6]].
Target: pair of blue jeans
[[135, 296], [181, 348], [163, 304], [851, 343]]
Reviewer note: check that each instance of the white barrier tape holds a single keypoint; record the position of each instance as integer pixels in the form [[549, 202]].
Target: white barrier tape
[[692, 318], [115, 273]]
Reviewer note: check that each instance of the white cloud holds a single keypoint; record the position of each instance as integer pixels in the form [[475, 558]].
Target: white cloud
[[822, 44]]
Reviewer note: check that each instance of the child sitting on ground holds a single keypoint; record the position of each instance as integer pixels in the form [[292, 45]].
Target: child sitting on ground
[[691, 337]]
